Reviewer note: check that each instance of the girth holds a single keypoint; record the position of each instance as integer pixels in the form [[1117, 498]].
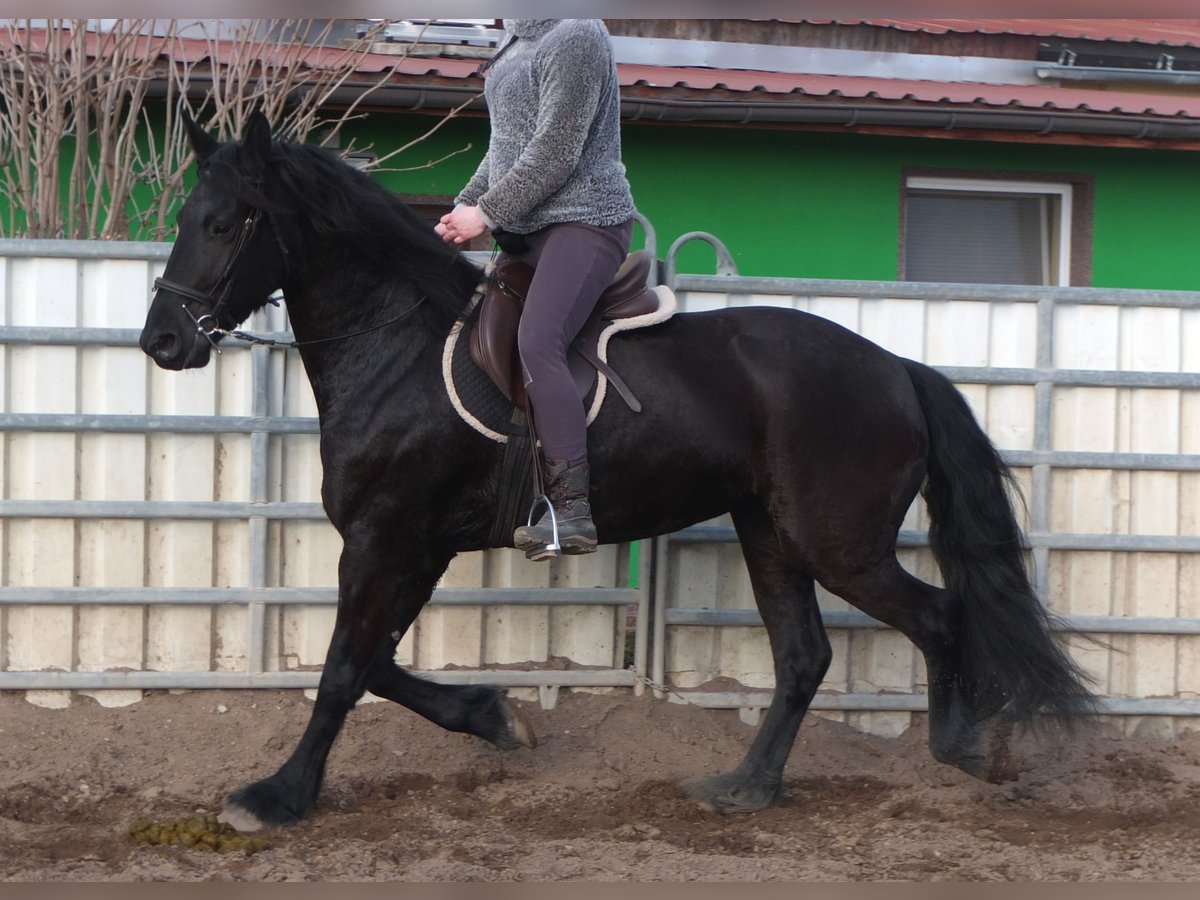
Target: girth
[[493, 338]]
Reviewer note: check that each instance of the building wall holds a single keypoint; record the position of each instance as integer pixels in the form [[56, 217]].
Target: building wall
[[814, 204]]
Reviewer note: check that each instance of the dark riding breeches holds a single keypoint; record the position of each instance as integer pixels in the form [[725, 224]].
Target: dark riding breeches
[[574, 264]]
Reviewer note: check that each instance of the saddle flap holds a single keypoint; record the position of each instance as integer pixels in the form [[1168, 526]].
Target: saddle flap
[[513, 277], [493, 342]]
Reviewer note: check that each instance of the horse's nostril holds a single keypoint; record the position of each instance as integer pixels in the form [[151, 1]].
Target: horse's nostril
[[163, 348]]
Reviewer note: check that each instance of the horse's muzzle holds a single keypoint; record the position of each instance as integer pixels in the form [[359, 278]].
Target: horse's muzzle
[[173, 351]]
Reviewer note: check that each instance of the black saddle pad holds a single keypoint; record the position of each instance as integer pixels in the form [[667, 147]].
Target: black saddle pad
[[476, 399]]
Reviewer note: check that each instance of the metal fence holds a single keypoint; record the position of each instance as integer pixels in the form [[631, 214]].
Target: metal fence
[[78, 395], [164, 530], [1086, 391]]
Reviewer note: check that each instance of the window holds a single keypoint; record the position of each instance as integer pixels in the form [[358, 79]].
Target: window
[[989, 231]]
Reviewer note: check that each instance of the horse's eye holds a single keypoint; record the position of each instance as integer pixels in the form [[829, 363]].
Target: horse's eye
[[221, 230]]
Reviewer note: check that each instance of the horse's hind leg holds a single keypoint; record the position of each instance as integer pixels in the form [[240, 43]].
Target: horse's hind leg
[[931, 618], [477, 709], [787, 600]]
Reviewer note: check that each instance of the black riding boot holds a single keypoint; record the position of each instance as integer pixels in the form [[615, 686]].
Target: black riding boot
[[567, 489]]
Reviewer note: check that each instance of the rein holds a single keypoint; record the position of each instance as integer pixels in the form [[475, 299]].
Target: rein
[[271, 342]]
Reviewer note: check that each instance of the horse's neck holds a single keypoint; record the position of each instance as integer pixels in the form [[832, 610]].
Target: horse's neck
[[332, 322], [345, 317], [357, 341]]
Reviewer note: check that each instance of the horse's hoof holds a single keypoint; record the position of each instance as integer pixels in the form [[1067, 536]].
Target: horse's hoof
[[731, 794], [518, 725], [517, 730], [240, 819], [1002, 765], [262, 804], [981, 750]]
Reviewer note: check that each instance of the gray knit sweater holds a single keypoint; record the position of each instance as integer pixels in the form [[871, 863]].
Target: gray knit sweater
[[555, 149]]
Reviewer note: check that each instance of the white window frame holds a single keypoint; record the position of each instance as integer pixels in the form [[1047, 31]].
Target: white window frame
[[1064, 192]]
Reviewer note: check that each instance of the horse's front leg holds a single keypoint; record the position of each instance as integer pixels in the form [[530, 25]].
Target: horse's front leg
[[479, 709], [377, 594]]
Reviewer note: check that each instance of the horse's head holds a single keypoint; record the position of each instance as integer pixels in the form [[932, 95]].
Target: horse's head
[[225, 263]]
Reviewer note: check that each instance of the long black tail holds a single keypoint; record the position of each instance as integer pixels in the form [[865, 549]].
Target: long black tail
[[1010, 659]]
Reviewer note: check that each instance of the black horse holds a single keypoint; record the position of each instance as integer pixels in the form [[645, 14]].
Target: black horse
[[814, 439]]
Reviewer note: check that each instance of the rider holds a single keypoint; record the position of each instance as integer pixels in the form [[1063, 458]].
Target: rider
[[552, 190]]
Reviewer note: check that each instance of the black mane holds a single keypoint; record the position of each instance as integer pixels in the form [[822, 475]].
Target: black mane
[[338, 203]]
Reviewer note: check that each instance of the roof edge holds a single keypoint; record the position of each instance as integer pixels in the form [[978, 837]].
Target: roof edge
[[642, 105]]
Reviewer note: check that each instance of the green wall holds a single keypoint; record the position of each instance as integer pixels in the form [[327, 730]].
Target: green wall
[[825, 205]]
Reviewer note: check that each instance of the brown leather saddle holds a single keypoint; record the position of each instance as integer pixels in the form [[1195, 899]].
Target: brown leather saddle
[[493, 339]]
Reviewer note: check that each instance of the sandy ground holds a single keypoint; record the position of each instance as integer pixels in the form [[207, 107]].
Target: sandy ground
[[597, 800]]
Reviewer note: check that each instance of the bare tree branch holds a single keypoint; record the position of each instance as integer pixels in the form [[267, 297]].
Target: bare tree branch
[[74, 103]]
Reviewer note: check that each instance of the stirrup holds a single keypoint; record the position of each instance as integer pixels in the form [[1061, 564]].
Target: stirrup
[[554, 548]]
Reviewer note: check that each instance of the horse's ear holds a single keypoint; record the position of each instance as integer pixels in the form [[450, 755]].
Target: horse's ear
[[256, 143], [203, 143]]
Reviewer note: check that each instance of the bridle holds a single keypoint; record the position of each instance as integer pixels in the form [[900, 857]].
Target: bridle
[[209, 324]]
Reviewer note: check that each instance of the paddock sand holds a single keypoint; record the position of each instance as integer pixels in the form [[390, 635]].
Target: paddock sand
[[597, 800]]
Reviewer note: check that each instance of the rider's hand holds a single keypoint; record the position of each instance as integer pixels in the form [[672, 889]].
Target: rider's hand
[[461, 224]]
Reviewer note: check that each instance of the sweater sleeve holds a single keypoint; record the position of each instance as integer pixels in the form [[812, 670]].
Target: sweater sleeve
[[571, 71]]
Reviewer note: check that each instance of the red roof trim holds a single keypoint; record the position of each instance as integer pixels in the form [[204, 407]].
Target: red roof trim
[[1034, 97], [997, 95]]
